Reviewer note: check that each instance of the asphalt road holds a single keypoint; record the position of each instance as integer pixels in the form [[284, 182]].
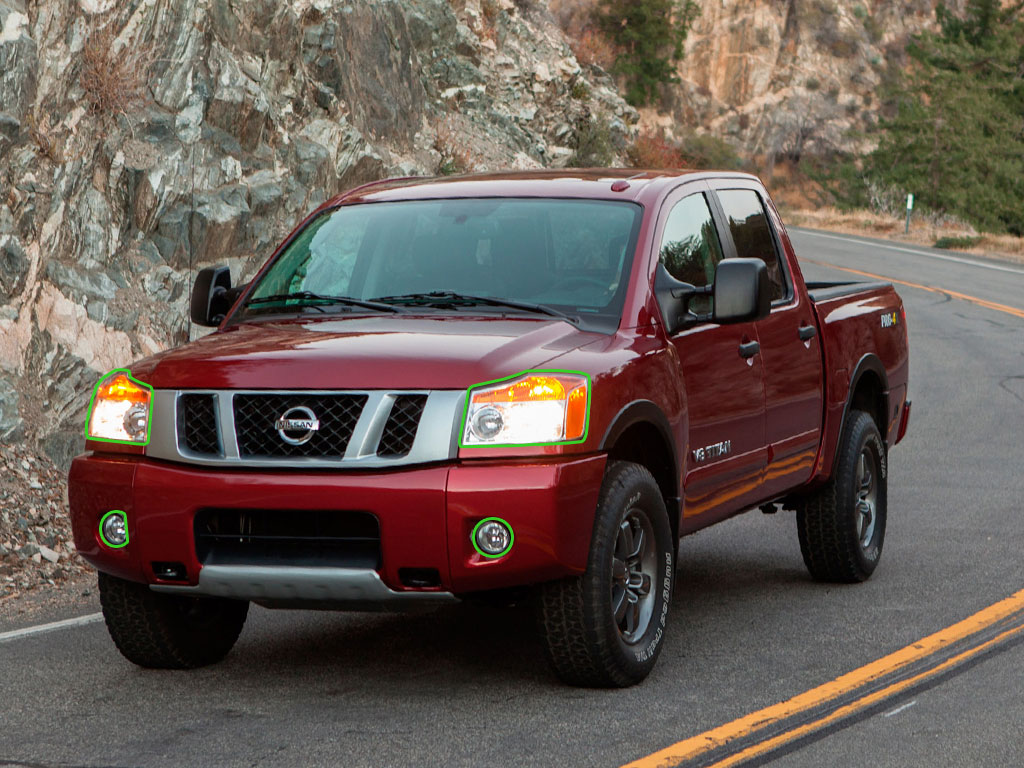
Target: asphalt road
[[468, 685]]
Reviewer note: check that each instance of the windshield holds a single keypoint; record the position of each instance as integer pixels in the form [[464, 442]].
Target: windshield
[[569, 256]]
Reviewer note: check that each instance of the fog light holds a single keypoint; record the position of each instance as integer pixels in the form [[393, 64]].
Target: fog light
[[114, 529], [492, 537]]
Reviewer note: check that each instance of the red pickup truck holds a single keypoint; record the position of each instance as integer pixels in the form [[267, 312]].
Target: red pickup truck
[[440, 389]]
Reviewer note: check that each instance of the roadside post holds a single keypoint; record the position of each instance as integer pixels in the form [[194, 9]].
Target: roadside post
[[910, 208]]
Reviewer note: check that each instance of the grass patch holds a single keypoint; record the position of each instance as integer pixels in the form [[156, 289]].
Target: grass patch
[[955, 242]]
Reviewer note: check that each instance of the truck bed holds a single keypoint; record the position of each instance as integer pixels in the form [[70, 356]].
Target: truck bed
[[826, 291]]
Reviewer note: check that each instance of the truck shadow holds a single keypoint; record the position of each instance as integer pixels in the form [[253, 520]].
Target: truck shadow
[[479, 645]]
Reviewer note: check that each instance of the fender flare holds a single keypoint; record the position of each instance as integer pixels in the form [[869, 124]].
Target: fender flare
[[869, 362], [644, 412]]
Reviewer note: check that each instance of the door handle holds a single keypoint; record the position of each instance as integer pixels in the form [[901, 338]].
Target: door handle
[[807, 332], [749, 349]]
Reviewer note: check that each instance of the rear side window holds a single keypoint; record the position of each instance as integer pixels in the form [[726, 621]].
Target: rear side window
[[752, 234], [690, 249]]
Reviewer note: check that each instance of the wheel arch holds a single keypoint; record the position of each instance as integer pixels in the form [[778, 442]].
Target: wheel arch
[[869, 392], [640, 433]]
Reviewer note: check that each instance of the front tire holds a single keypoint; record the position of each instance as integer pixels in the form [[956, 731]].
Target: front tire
[[842, 526], [161, 631], [605, 628]]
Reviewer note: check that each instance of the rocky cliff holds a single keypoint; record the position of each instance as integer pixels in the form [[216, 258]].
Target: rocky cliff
[[792, 77], [142, 140]]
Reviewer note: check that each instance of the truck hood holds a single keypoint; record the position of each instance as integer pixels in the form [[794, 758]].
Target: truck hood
[[436, 352]]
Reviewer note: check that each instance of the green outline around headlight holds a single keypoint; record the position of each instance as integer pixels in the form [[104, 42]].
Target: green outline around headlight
[[92, 402], [521, 374], [103, 519], [472, 538]]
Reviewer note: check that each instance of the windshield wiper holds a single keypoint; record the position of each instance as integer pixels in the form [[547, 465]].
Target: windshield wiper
[[347, 301], [453, 299]]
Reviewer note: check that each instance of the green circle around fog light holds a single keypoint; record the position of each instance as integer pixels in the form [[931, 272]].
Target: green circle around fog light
[[124, 524], [492, 555]]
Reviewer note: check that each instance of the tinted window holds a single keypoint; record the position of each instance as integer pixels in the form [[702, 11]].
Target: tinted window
[[752, 234], [690, 249]]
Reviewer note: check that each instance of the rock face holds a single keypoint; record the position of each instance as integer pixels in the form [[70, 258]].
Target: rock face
[[794, 76], [141, 141]]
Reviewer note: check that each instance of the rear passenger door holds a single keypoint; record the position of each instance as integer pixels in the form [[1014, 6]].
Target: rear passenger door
[[725, 453], [790, 352]]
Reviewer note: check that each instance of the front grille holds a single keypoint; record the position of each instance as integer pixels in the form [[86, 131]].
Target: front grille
[[310, 538], [400, 430], [198, 415], [255, 416]]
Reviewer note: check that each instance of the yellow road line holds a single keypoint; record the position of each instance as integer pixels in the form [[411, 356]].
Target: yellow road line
[[756, 721], [930, 288], [862, 703]]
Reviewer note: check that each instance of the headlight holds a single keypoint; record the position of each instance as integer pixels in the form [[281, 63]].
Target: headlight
[[535, 408], [120, 410]]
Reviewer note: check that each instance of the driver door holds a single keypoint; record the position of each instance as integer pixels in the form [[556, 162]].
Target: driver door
[[724, 382]]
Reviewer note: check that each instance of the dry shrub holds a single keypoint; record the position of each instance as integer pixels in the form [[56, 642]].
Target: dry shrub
[[652, 150], [455, 157], [490, 11], [576, 18], [44, 137], [573, 15], [926, 231], [114, 82], [591, 48]]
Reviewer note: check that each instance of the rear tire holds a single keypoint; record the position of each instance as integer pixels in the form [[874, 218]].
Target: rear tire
[[163, 631], [842, 526], [605, 628]]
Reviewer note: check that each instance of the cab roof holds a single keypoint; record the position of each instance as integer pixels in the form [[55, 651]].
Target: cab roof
[[596, 183]]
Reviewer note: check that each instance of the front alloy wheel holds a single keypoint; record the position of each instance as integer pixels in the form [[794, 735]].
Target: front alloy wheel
[[606, 627], [633, 572]]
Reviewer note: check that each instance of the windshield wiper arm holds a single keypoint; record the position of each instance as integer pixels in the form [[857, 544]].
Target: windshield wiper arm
[[310, 296], [451, 298]]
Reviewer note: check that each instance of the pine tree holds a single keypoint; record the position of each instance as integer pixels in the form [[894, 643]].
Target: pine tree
[[957, 137], [649, 35]]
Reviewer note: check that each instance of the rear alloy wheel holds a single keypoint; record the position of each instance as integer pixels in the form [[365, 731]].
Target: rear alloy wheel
[[842, 526], [169, 631], [605, 628]]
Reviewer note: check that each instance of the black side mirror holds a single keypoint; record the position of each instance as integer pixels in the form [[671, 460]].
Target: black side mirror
[[673, 298], [742, 291], [210, 296]]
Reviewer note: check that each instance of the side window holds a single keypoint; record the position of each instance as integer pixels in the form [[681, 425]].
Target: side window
[[752, 234], [690, 249]]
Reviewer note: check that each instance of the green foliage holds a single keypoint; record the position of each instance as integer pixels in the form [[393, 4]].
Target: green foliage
[[705, 151], [956, 137], [957, 242], [580, 91], [649, 35], [593, 144]]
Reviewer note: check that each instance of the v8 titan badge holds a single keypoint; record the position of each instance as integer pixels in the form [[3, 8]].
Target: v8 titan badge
[[715, 451]]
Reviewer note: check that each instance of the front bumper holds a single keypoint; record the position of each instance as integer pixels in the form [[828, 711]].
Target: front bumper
[[426, 516]]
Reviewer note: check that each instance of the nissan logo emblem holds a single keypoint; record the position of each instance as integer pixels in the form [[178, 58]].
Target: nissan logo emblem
[[297, 425]]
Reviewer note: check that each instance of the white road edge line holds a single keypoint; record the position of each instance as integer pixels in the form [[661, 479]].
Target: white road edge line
[[900, 709], [942, 257], [17, 634]]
